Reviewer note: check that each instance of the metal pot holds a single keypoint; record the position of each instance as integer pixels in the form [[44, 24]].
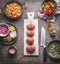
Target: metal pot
[[49, 54]]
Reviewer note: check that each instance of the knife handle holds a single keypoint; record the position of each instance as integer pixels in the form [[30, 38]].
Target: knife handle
[[44, 54]]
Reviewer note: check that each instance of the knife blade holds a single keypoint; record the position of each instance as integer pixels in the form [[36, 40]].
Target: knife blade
[[43, 43]]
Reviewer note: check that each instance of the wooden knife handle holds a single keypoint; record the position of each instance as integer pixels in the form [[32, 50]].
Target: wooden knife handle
[[44, 54]]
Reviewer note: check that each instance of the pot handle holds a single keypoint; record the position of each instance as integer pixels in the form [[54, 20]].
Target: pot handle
[[44, 54]]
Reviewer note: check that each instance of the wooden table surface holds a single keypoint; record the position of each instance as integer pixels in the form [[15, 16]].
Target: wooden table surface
[[33, 6]]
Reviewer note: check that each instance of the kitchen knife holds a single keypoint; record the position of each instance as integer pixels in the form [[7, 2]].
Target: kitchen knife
[[43, 43]]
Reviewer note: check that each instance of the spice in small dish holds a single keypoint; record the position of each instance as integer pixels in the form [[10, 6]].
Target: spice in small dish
[[53, 33], [12, 50], [50, 26], [13, 10]]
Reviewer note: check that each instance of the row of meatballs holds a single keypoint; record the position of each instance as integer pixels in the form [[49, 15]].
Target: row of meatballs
[[30, 40]]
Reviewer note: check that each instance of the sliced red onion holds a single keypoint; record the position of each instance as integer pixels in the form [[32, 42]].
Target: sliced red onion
[[58, 2], [40, 10], [51, 19], [3, 29], [4, 39], [45, 17], [58, 10]]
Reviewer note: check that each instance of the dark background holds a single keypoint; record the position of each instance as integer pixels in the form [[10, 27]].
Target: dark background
[[33, 6]]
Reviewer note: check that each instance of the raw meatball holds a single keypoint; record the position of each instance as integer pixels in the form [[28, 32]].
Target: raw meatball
[[30, 49], [30, 26], [30, 40], [30, 33]]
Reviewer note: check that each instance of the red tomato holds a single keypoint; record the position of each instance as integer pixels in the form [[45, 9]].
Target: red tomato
[[49, 10]]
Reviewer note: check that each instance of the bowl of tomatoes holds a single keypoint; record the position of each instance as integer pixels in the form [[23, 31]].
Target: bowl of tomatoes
[[49, 6]]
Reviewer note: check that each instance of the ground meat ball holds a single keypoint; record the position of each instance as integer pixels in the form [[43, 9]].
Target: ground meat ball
[[30, 33], [30, 40], [30, 26], [30, 49]]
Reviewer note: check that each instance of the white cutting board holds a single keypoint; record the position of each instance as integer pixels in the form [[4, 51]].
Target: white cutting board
[[36, 44]]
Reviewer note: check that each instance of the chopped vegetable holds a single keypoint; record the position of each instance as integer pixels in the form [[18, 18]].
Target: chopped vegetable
[[54, 49], [11, 28], [9, 39], [48, 7]]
